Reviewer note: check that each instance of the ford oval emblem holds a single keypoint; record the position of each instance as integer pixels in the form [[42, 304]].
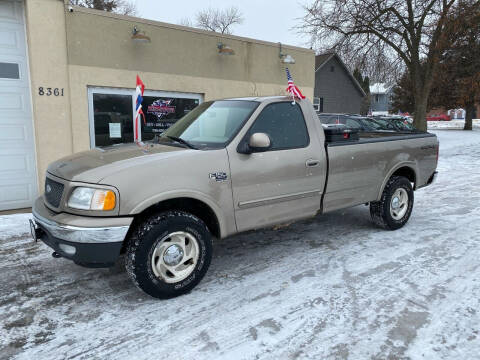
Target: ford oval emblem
[[48, 188]]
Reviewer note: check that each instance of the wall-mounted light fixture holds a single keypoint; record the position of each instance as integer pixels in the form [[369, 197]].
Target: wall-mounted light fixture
[[225, 49], [286, 58], [139, 37]]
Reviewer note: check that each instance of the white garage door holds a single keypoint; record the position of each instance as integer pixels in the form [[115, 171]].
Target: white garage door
[[18, 186]]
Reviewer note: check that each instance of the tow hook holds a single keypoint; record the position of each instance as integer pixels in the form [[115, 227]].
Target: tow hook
[[35, 231], [56, 255]]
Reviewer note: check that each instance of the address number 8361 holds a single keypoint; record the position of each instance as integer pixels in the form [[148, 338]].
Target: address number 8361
[[50, 91]]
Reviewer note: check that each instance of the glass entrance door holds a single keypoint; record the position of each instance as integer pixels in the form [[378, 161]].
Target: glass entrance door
[[112, 119]]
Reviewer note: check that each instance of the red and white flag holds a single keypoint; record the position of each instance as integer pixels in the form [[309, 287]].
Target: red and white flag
[[138, 105], [292, 88]]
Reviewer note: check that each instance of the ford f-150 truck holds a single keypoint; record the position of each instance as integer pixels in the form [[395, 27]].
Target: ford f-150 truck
[[226, 167]]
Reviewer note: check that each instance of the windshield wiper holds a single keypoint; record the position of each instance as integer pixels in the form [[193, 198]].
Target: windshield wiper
[[181, 141]]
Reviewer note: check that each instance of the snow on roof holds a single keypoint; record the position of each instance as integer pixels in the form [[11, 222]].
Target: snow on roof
[[379, 88]]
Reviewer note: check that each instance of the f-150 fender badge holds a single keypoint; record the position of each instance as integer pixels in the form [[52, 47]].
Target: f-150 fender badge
[[218, 176]]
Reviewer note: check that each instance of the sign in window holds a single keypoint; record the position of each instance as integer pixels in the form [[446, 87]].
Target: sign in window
[[162, 112]]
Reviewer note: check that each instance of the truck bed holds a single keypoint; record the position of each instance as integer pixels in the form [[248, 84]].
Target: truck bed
[[357, 166]]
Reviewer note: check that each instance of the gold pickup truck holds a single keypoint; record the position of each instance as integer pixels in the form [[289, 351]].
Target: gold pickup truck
[[226, 167]]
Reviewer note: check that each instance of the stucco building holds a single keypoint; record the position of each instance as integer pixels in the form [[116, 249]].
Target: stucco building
[[67, 79]]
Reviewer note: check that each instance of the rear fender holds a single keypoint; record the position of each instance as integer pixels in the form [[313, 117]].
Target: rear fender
[[406, 164]]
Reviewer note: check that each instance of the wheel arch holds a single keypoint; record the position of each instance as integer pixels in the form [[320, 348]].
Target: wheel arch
[[194, 203], [408, 170]]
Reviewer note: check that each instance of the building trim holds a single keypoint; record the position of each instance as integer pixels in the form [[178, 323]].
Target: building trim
[[30, 92]]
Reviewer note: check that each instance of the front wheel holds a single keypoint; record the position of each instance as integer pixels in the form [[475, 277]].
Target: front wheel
[[169, 254], [395, 207]]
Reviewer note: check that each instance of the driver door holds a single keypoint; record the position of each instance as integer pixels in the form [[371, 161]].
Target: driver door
[[284, 182]]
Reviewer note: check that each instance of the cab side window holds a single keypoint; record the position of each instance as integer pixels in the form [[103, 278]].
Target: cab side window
[[285, 125]]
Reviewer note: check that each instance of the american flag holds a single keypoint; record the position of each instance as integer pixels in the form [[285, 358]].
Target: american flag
[[291, 88], [138, 106]]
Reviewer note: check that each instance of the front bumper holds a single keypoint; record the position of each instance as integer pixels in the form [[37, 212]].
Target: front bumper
[[88, 241]]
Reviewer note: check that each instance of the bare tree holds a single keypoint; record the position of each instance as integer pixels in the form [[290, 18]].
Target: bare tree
[[126, 7], [377, 65], [123, 7], [185, 22], [218, 20], [457, 83], [406, 30]]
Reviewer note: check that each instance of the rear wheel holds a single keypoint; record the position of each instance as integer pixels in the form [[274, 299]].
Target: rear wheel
[[169, 254], [395, 207]]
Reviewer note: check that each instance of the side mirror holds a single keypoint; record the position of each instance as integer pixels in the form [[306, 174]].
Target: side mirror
[[258, 142]]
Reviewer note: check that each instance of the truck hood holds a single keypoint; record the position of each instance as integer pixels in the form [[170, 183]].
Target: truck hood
[[93, 165]]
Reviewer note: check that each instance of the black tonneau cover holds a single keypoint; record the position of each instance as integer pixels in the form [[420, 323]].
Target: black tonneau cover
[[371, 137]]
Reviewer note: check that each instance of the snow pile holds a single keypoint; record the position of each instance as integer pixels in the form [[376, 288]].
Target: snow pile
[[14, 226]]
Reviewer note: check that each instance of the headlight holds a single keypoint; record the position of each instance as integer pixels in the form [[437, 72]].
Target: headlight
[[92, 199]]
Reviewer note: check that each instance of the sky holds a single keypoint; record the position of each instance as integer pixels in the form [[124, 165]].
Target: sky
[[270, 20]]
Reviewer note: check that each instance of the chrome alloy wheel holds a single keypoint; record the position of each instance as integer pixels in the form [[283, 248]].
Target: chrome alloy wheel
[[399, 204], [175, 256]]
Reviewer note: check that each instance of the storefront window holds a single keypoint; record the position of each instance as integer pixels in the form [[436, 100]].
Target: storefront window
[[162, 112], [111, 113], [112, 118]]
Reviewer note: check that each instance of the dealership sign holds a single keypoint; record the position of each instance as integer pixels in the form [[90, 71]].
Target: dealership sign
[[161, 108]]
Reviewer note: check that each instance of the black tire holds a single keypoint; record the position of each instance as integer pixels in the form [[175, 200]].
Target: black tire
[[380, 210], [143, 241]]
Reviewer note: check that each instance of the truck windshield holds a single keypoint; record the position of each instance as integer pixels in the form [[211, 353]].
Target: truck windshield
[[212, 124]]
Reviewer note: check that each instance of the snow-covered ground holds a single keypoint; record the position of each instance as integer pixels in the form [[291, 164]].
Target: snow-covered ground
[[330, 287], [452, 124]]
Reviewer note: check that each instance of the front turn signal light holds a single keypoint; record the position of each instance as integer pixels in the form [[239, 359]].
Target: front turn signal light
[[103, 200]]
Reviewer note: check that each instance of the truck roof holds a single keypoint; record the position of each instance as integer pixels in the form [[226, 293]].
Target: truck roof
[[261, 98]]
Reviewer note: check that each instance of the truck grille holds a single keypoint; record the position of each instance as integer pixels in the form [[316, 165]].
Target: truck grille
[[53, 192]]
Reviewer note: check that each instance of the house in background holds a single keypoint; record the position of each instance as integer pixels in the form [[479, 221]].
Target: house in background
[[380, 98], [336, 90], [455, 114]]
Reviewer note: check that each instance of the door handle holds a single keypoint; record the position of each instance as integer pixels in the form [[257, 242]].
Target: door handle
[[312, 163]]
